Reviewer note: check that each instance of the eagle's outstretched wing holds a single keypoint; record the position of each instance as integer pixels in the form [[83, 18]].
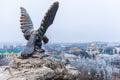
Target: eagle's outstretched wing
[[26, 23], [48, 18]]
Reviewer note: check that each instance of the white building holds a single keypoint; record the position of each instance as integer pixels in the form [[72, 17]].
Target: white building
[[116, 50], [92, 50]]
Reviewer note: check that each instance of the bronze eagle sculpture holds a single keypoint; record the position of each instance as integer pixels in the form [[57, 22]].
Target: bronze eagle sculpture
[[35, 37]]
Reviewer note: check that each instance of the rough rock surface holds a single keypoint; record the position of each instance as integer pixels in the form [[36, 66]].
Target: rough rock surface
[[38, 69]]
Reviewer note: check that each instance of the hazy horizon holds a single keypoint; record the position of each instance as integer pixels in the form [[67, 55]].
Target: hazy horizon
[[76, 21]]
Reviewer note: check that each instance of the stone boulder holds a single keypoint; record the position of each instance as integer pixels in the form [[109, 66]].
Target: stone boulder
[[38, 69]]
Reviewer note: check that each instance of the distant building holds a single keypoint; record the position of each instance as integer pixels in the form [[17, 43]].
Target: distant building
[[116, 50], [74, 49], [92, 50], [68, 56]]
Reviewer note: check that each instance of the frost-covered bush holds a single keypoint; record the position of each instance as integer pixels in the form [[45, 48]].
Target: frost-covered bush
[[103, 67], [4, 61]]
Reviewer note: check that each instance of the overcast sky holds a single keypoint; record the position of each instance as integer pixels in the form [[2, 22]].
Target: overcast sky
[[76, 20]]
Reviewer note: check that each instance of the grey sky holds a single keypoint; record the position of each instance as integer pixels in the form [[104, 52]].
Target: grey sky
[[76, 20]]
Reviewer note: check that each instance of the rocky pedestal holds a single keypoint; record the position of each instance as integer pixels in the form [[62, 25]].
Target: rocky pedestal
[[38, 69]]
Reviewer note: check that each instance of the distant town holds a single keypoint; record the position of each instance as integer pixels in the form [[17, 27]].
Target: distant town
[[91, 48]]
